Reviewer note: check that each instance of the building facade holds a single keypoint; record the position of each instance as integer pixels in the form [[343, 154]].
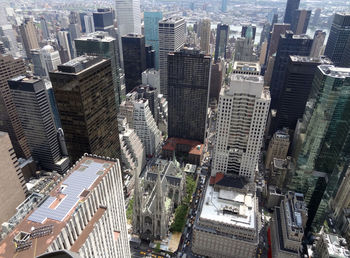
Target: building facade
[[128, 16], [205, 35], [291, 7], [278, 147], [301, 21], [29, 36], [151, 20], [222, 32], [317, 44]]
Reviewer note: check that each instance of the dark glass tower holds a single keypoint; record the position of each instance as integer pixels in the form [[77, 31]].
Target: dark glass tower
[[84, 94], [103, 20], [292, 6], [338, 37], [188, 94], [134, 55], [288, 44], [221, 40], [301, 21], [296, 89]]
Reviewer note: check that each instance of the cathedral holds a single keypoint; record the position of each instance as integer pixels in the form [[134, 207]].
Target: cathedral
[[156, 197]]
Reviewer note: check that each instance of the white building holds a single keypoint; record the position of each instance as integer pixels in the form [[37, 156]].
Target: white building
[[242, 114], [51, 57], [128, 16], [172, 34], [84, 213], [89, 23], [151, 77], [330, 245]]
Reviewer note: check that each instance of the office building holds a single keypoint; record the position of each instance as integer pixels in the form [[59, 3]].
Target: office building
[[322, 137], [86, 103], [99, 43], [51, 58], [222, 32], [89, 23], [134, 56], [9, 121], [331, 245], [38, 63], [291, 8], [139, 117], [345, 62], [280, 172], [29, 36], [289, 44], [227, 221], [188, 94], [278, 147], [205, 35], [295, 89], [340, 203], [251, 29], [44, 28], [103, 20], [301, 21], [287, 227], [83, 213], [172, 33], [128, 16], [242, 115], [338, 37], [223, 5], [317, 44], [151, 20], [13, 189], [244, 49], [33, 107], [277, 30], [316, 17], [82, 21], [151, 77], [66, 46], [216, 78]]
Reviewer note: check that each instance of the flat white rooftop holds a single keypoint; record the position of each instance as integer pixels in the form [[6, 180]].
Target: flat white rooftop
[[242, 207]]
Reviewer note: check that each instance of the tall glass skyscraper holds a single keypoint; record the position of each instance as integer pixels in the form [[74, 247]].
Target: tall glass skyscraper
[[222, 32], [151, 20], [323, 145]]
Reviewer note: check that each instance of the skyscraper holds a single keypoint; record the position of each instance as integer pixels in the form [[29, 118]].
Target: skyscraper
[[13, 189], [171, 39], [242, 114], [323, 139], [134, 55], [188, 94], [33, 107], [128, 16], [221, 41], [85, 99], [277, 30], [84, 213], [223, 5], [89, 23], [29, 36], [295, 89], [338, 37], [345, 62], [51, 57], [151, 20], [251, 31], [205, 35], [316, 17], [9, 121], [103, 20], [289, 44], [291, 7], [317, 44], [65, 44], [300, 21], [38, 63], [44, 28], [99, 43]]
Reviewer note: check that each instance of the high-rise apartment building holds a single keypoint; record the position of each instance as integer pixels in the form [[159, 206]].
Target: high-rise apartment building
[[29, 36], [242, 114], [128, 16], [103, 20], [134, 55], [338, 37], [188, 94], [13, 189], [289, 44], [278, 147], [85, 99], [205, 35], [33, 107], [171, 39], [317, 44], [84, 213], [295, 89], [301, 21], [222, 32], [99, 43], [291, 7], [9, 121], [323, 140], [287, 227], [151, 20]]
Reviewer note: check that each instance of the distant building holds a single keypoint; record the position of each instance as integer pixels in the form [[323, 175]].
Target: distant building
[[51, 57], [223, 5], [92, 109], [251, 29], [13, 189], [151, 77], [290, 13], [128, 16], [331, 245], [89, 23], [278, 147], [29, 36], [244, 50], [222, 32], [216, 78], [317, 44], [277, 30], [301, 21], [151, 20], [84, 213], [44, 28], [34, 112], [103, 20], [287, 227], [205, 35], [38, 63], [316, 17], [66, 47]]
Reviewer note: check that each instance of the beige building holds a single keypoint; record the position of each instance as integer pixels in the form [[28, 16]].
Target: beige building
[[278, 147], [228, 220], [84, 213], [12, 184], [287, 227], [205, 35], [279, 170], [29, 36]]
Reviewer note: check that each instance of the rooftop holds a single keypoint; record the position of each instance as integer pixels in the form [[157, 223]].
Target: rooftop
[[335, 72], [246, 66], [100, 36], [79, 64], [196, 147], [58, 207], [336, 246], [171, 20], [309, 59]]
